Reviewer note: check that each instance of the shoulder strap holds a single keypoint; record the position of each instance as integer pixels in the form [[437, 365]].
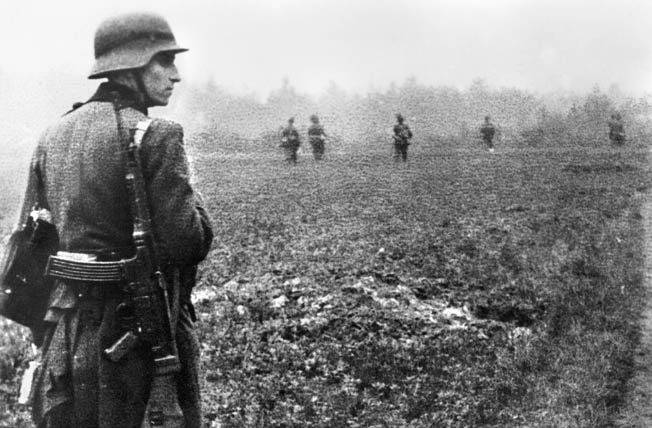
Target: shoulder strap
[[141, 129], [143, 233]]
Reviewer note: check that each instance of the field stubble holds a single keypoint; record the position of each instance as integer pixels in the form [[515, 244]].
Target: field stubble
[[460, 289]]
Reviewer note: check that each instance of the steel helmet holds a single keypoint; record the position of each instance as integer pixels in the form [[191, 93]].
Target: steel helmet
[[130, 41]]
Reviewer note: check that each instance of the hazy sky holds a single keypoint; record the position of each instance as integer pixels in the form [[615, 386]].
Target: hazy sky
[[250, 45]]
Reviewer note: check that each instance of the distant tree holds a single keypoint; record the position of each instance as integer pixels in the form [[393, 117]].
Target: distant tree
[[478, 88], [286, 102], [597, 106], [477, 100]]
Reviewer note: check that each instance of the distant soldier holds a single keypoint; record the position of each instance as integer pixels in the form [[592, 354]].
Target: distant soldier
[[616, 129], [402, 136], [488, 130], [290, 141], [317, 137]]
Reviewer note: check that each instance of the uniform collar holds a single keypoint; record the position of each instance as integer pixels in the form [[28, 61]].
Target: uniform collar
[[121, 95]]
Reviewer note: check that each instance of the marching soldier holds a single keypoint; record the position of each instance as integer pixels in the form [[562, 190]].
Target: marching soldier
[[317, 137], [290, 141], [402, 136], [78, 173], [616, 129], [488, 130]]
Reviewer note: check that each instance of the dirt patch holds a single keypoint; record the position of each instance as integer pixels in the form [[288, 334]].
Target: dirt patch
[[598, 168], [637, 412]]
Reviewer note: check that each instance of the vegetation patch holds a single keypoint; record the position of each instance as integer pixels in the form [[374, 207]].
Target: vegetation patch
[[460, 289]]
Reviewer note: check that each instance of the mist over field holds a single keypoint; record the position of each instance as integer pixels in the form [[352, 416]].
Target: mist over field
[[216, 118], [354, 62], [32, 101]]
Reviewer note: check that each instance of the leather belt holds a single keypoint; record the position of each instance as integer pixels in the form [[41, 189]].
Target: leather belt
[[89, 271]]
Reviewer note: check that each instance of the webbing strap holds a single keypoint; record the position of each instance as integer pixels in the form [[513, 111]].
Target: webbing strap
[[141, 129]]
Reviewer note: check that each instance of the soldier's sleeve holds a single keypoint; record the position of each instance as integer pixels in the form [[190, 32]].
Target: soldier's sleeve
[[35, 189], [181, 224]]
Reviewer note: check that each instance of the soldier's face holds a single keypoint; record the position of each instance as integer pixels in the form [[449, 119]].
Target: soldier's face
[[159, 77]]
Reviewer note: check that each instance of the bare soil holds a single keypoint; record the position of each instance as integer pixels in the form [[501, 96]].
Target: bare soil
[[637, 412]]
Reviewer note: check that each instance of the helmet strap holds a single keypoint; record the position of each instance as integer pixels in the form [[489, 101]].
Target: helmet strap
[[129, 78], [142, 89]]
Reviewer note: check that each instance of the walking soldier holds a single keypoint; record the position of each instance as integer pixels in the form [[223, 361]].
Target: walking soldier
[[488, 130], [616, 129], [290, 141], [402, 136], [317, 137]]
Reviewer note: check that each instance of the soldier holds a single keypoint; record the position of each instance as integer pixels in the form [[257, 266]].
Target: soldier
[[488, 130], [402, 136], [317, 137], [616, 129], [290, 141], [78, 173]]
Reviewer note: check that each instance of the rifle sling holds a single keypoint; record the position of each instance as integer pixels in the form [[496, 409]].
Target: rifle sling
[[142, 222], [162, 407]]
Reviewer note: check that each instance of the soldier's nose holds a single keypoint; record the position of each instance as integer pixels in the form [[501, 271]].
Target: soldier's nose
[[174, 75]]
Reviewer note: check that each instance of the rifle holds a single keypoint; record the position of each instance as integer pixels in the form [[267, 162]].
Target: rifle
[[146, 311]]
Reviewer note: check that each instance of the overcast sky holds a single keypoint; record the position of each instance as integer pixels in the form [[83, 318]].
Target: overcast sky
[[250, 45]]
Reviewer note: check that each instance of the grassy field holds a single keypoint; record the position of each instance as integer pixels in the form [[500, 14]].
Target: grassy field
[[461, 289]]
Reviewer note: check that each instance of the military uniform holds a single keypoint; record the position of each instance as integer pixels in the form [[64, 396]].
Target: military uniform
[[78, 173], [488, 130], [402, 136], [290, 142], [317, 137], [616, 130]]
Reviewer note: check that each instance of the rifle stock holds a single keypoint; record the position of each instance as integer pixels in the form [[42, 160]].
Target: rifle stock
[[162, 409]]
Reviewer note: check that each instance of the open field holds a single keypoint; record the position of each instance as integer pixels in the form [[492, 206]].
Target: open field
[[461, 289]]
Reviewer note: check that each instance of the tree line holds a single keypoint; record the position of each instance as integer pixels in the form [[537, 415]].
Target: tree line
[[437, 114]]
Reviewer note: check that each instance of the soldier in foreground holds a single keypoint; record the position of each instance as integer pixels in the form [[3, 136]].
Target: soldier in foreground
[[78, 173], [488, 130], [290, 141], [402, 136], [317, 137], [616, 129]]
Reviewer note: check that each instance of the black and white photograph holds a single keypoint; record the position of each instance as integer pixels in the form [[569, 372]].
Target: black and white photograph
[[326, 214]]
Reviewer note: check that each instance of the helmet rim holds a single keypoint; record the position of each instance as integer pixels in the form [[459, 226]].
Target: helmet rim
[[131, 56]]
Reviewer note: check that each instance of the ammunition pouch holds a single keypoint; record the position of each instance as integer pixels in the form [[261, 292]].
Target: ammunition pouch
[[66, 268], [24, 289]]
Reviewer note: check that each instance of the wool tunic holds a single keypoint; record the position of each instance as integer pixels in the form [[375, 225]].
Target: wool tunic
[[78, 173]]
